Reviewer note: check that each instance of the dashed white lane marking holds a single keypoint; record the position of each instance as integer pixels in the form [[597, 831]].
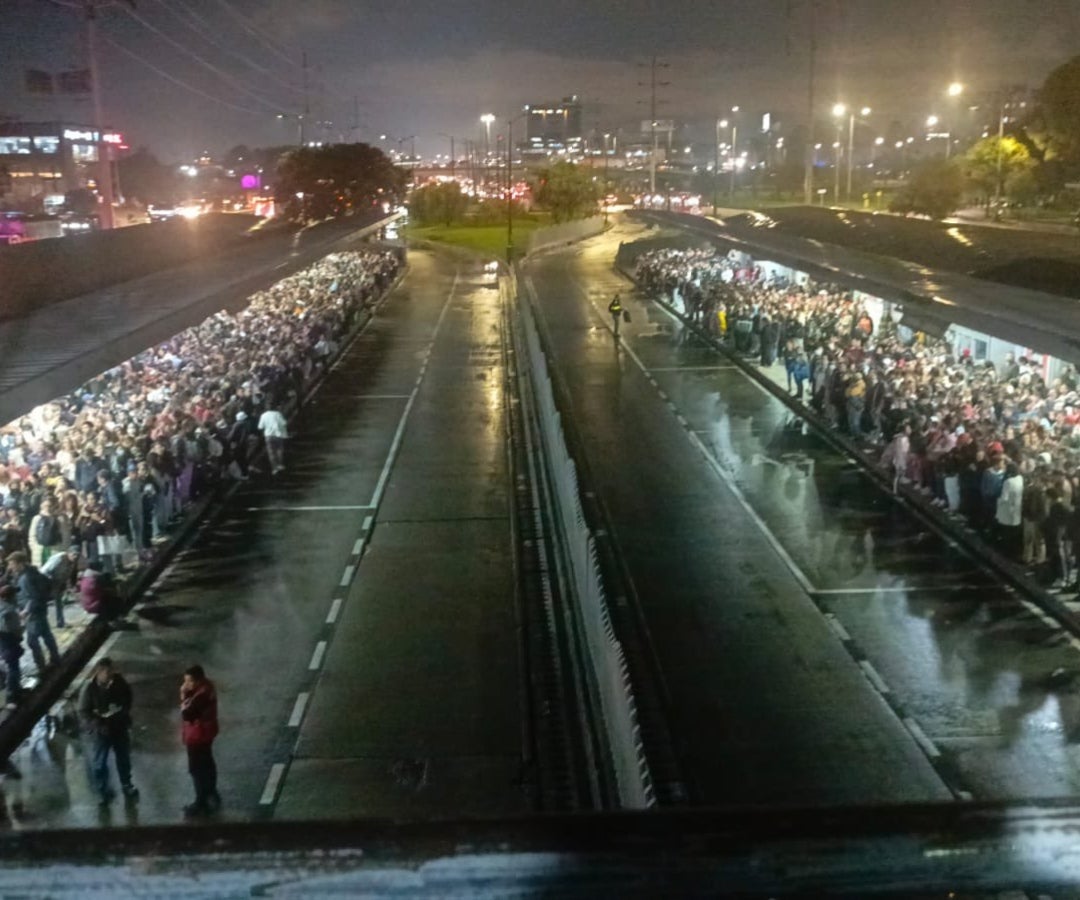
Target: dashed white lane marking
[[358, 547], [317, 656], [272, 781], [837, 627], [928, 746], [367, 524], [347, 576], [306, 508], [379, 397], [299, 706], [723, 475], [873, 677], [663, 396], [335, 610], [682, 419]]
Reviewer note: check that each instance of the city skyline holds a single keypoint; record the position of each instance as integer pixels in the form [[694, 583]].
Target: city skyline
[[435, 68]]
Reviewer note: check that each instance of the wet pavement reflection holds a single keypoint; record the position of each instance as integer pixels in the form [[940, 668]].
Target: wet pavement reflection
[[991, 686]]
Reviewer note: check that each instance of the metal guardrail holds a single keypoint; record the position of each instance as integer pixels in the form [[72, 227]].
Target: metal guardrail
[[612, 677]]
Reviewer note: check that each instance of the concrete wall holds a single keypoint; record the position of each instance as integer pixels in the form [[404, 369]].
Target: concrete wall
[[567, 233], [40, 273]]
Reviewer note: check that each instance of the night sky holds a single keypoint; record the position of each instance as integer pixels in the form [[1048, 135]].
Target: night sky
[[424, 66]]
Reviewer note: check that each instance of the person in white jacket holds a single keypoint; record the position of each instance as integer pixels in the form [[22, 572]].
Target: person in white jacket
[[1009, 513]]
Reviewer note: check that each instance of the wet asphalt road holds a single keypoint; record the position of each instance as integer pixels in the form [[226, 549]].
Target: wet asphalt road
[[357, 613], [817, 644]]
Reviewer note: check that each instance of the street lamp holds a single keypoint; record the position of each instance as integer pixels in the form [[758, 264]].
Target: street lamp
[[720, 123], [839, 110], [453, 155], [734, 146], [510, 185], [299, 122], [955, 89], [487, 119]]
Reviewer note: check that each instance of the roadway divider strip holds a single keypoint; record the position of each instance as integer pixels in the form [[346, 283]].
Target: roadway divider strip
[[632, 775]]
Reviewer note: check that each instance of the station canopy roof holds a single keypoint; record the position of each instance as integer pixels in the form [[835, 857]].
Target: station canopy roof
[[931, 298]]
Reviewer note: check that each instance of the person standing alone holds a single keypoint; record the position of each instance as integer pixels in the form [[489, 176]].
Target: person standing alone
[[105, 709], [275, 429], [198, 728]]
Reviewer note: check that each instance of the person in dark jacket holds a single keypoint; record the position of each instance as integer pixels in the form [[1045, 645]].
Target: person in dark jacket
[[11, 648], [198, 728], [34, 596], [105, 711]]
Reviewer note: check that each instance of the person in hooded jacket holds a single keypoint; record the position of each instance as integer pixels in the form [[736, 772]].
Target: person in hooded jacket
[[198, 728]]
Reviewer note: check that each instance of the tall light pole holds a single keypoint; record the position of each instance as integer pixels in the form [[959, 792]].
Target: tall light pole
[[734, 144], [838, 111], [606, 136], [720, 123], [453, 155], [864, 112], [487, 119], [299, 123], [89, 9], [510, 186]]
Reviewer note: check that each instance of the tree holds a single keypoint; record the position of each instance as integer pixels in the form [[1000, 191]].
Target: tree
[[1057, 116], [438, 204], [566, 191], [934, 189], [981, 164], [143, 177], [320, 182]]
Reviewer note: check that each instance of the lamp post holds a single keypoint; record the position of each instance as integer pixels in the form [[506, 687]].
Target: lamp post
[[453, 155], [720, 123], [299, 124], [487, 119], [606, 136], [838, 111], [864, 112], [734, 145], [510, 186]]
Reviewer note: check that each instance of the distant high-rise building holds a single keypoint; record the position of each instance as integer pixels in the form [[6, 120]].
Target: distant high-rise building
[[554, 126]]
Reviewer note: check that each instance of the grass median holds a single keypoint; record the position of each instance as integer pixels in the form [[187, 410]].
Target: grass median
[[489, 240]]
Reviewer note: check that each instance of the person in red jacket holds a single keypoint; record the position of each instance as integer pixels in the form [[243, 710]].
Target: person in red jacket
[[198, 728]]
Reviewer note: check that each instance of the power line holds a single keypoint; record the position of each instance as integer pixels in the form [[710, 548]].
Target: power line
[[258, 34], [203, 62], [193, 21], [178, 81]]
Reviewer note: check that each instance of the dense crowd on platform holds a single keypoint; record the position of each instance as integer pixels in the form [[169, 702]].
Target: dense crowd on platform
[[98, 477], [996, 444]]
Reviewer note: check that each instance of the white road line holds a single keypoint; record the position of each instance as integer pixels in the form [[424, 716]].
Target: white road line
[[304, 508], [837, 626], [663, 396], [347, 576], [682, 420], [379, 397], [873, 677], [335, 610], [358, 547], [299, 706], [366, 526], [395, 444], [921, 739], [269, 793], [317, 656], [725, 477]]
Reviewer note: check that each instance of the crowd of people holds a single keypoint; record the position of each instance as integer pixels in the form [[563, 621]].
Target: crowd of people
[[92, 482], [997, 444]]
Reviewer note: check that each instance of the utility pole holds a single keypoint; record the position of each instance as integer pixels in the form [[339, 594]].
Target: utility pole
[[716, 165], [510, 193], [654, 64], [89, 10], [808, 152], [105, 179], [734, 144], [307, 104]]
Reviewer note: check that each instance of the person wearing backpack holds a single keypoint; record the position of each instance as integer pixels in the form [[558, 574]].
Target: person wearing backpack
[[46, 537], [33, 593]]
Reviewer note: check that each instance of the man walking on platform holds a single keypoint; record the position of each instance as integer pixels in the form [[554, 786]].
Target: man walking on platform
[[34, 594], [105, 710], [615, 307], [275, 429], [198, 728]]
